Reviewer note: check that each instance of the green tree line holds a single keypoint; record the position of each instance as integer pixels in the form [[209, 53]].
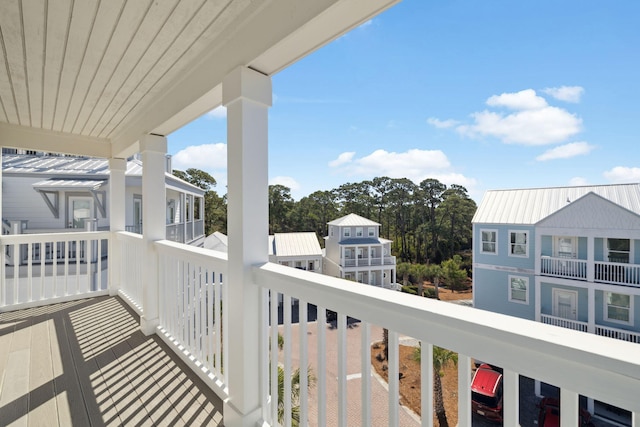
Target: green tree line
[[427, 222]]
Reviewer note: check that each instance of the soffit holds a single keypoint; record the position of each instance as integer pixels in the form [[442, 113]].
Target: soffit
[[110, 71]]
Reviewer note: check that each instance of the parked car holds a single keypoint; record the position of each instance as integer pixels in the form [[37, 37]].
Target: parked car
[[486, 393], [549, 415]]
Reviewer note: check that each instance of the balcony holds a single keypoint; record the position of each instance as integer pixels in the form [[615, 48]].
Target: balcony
[[366, 262], [178, 232], [615, 273], [196, 318]]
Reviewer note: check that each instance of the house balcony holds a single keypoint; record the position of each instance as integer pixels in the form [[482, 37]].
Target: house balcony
[[366, 262], [615, 273], [184, 370], [183, 232]]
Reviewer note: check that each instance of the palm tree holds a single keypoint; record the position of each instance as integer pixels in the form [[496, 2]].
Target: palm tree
[[434, 272], [295, 394], [420, 272], [295, 390], [441, 358], [403, 269]]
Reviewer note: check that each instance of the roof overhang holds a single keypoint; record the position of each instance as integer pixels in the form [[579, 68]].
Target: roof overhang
[[89, 80]]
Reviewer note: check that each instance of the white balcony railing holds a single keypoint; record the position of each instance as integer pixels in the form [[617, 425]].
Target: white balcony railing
[[564, 323], [585, 364], [362, 262], [564, 267], [618, 334], [38, 268], [131, 253], [191, 309], [617, 273], [192, 300]]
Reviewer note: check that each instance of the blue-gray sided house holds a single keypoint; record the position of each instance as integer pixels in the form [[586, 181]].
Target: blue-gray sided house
[[566, 256]]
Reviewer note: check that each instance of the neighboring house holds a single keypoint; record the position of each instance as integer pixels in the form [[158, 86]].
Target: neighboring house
[[51, 193], [355, 251], [567, 256], [298, 250], [217, 242]]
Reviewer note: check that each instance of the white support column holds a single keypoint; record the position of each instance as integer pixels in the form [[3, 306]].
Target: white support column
[[1, 189], [464, 391], [511, 398], [591, 304], [117, 221], [569, 407], [247, 96], [590, 259], [153, 149], [537, 296]]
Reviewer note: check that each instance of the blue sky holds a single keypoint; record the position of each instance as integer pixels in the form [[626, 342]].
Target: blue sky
[[486, 94]]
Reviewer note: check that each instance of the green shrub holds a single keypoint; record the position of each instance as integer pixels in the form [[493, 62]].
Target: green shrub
[[410, 290]]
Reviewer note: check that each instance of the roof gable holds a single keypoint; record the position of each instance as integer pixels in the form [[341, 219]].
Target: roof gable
[[295, 244], [353, 220], [592, 211]]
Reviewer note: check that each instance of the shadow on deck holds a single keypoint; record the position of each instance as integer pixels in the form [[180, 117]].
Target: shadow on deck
[[87, 363]]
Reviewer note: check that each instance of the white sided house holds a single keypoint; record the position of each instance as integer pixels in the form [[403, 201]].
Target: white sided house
[[355, 251], [566, 256], [51, 193], [298, 250]]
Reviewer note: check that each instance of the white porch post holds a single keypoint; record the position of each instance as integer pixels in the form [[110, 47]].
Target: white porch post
[[247, 96], [153, 149], [117, 222], [1, 190], [591, 303]]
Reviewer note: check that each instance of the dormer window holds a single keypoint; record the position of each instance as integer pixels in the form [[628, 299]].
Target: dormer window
[[359, 232], [346, 232]]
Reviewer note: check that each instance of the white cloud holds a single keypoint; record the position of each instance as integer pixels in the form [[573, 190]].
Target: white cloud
[[566, 151], [218, 113], [565, 93], [342, 159], [623, 174], [365, 24], [287, 181], [578, 181], [442, 124], [523, 100], [542, 126], [208, 157]]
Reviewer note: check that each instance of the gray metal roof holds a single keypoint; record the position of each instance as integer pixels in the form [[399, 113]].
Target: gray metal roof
[[353, 220], [69, 184], [528, 206], [79, 166], [296, 244]]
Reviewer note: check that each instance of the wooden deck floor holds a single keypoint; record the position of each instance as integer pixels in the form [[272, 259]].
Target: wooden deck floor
[[87, 363]]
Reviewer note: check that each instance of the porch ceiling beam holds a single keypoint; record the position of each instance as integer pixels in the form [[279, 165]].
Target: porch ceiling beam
[[258, 44], [28, 138]]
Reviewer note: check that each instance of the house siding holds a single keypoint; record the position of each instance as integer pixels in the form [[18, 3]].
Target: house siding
[[491, 292]]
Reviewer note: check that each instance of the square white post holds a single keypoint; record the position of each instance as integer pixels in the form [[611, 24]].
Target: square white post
[[247, 96], [153, 149], [117, 169]]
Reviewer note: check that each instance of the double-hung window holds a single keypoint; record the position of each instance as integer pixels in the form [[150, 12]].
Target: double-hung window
[[372, 232], [618, 307], [518, 289], [519, 243], [346, 232], [619, 250], [489, 239], [359, 232]]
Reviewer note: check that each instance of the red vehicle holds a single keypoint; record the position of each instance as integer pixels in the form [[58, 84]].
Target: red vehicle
[[486, 393], [549, 415]]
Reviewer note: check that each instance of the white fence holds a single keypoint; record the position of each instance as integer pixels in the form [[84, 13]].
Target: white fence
[[564, 323], [132, 263], [618, 334], [44, 268], [617, 273], [191, 308], [586, 364], [564, 267]]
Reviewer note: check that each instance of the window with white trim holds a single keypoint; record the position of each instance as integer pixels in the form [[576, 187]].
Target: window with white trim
[[618, 307], [359, 232], [519, 243], [346, 232], [518, 289], [371, 231], [619, 250], [489, 239]]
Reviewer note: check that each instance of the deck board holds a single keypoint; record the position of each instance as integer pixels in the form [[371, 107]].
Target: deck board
[[87, 363]]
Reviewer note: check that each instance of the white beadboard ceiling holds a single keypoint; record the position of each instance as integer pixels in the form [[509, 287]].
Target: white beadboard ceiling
[[108, 71]]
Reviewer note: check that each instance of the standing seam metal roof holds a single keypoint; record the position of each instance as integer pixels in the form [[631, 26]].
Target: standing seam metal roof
[[529, 206]]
